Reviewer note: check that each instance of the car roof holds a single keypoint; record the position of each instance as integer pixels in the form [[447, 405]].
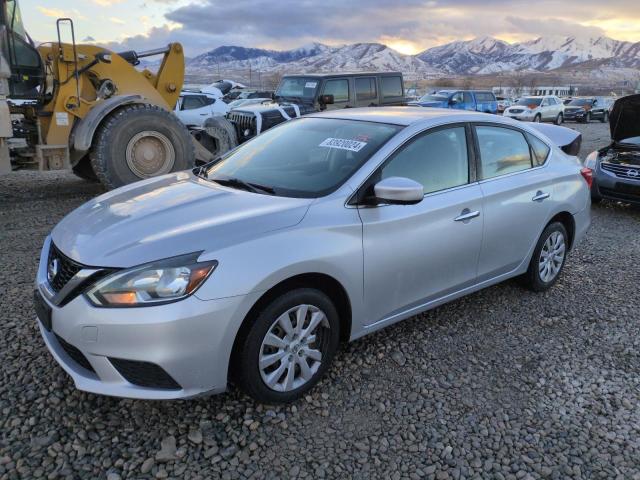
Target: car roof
[[345, 74], [405, 115]]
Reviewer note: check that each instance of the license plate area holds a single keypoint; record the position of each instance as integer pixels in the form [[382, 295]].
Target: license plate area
[[43, 310]]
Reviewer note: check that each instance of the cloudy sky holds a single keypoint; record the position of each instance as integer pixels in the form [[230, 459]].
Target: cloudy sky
[[409, 26]]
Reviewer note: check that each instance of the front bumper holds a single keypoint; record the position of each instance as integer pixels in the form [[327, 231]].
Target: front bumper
[[519, 116], [608, 185], [574, 116], [189, 342]]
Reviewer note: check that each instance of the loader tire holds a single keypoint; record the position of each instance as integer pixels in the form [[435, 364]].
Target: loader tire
[[84, 170], [137, 142], [223, 134]]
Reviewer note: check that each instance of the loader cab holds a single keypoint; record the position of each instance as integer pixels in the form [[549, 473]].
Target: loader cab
[[25, 63]]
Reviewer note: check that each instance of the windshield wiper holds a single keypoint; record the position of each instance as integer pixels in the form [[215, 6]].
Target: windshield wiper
[[249, 186], [201, 172]]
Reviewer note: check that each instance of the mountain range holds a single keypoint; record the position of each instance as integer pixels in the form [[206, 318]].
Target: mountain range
[[485, 55]]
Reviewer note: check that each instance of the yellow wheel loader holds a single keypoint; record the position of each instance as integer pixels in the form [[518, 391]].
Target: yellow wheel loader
[[88, 109]]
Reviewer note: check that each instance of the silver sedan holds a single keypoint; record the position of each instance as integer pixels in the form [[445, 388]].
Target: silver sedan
[[254, 268]]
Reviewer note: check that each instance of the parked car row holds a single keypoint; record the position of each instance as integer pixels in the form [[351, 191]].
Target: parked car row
[[475, 100]]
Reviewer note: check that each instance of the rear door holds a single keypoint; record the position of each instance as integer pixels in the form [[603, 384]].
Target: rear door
[[417, 253], [517, 196]]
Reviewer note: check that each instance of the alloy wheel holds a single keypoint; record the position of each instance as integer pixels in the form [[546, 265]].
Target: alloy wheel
[[292, 350], [551, 257]]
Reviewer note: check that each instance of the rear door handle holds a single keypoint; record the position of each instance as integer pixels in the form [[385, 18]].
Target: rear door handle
[[539, 196], [466, 215]]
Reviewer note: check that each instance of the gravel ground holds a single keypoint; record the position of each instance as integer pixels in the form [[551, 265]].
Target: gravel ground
[[503, 384]]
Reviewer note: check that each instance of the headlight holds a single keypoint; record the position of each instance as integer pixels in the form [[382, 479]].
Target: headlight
[[153, 283]]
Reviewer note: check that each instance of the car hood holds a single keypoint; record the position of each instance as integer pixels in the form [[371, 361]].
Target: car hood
[[167, 216], [624, 120]]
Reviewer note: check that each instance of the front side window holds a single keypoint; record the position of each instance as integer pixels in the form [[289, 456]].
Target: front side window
[[468, 99], [457, 97], [391, 87], [502, 151], [366, 88], [438, 160], [304, 158], [338, 88]]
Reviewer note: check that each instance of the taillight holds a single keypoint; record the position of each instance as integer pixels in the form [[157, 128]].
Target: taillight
[[587, 174]]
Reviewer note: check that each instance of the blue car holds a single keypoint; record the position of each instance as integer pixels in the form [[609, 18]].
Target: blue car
[[481, 101]]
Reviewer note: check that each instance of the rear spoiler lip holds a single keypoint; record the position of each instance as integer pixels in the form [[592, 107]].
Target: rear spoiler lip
[[567, 139]]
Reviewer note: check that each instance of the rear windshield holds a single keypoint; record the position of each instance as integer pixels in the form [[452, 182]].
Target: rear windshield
[[529, 101]]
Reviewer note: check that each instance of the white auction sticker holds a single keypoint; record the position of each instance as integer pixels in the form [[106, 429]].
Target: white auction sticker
[[343, 144], [310, 84], [62, 119]]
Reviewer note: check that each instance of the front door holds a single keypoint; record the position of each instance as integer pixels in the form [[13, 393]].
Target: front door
[[417, 253]]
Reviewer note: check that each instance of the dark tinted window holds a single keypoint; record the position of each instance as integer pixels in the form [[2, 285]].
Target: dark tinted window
[[338, 88], [540, 150], [209, 100], [191, 102], [502, 151], [366, 88], [391, 86], [437, 160], [467, 97], [485, 97]]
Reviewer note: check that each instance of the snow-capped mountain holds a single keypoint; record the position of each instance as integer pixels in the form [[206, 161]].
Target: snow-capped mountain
[[479, 56]]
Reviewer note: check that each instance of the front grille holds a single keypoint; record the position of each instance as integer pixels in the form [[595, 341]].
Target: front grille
[[144, 374], [75, 354], [66, 268], [620, 193], [243, 121], [516, 110], [622, 171]]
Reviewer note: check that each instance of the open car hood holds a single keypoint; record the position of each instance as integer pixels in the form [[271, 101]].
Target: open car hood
[[624, 120]]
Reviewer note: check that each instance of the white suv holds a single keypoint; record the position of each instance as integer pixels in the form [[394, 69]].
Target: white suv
[[193, 108], [547, 108]]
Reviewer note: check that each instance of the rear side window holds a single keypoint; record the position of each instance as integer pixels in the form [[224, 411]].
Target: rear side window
[[391, 87], [485, 97], [366, 88], [540, 150], [338, 88], [209, 100], [438, 160], [502, 151], [191, 102], [467, 98]]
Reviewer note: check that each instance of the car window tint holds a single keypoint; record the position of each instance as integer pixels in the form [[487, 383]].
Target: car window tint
[[502, 151], [457, 97], [540, 150], [366, 88], [191, 102], [438, 160], [467, 97], [208, 100], [391, 86], [339, 89]]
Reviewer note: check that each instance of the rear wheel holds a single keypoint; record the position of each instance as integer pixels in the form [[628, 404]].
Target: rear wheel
[[559, 119], [289, 346], [548, 258], [587, 117], [138, 142], [605, 117]]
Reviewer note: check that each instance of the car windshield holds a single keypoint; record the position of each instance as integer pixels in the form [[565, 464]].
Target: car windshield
[[579, 102], [529, 101], [305, 158], [298, 87], [433, 98]]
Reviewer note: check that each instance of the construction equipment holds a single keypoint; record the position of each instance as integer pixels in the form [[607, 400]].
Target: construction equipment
[[85, 108]]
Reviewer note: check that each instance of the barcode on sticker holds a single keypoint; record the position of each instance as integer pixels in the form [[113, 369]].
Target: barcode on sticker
[[343, 144]]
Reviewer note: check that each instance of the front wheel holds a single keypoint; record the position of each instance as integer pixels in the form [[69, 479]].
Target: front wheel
[[289, 346], [140, 141], [548, 258], [537, 118]]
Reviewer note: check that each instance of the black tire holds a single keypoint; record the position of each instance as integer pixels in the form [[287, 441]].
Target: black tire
[[595, 199], [537, 118], [246, 356], [84, 170], [559, 119], [109, 150], [532, 279], [222, 133], [605, 117]]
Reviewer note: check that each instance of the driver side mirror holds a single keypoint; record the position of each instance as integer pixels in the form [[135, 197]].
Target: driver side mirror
[[326, 99], [398, 191]]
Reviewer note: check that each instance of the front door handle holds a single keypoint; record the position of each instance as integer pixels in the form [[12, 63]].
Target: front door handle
[[540, 196], [466, 215]]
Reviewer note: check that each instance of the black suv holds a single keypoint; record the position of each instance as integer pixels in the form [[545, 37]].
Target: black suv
[[587, 109]]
